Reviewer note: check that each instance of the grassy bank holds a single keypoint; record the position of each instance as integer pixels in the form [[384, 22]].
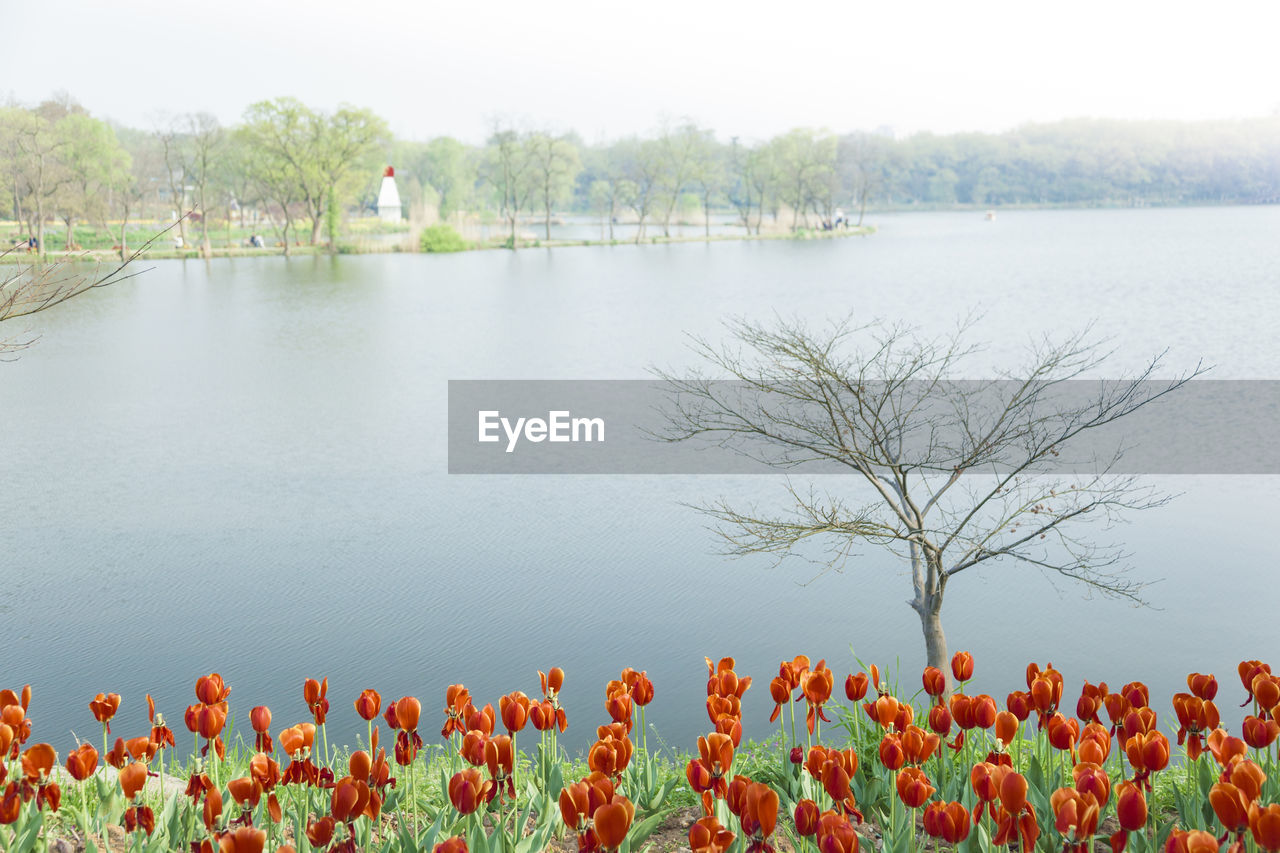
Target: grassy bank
[[167, 251]]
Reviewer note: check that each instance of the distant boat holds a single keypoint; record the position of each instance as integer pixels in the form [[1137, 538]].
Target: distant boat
[[991, 215]]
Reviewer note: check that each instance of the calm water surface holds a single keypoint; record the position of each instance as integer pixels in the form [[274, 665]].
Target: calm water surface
[[240, 466]]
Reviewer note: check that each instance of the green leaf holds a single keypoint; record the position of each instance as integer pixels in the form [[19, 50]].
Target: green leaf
[[642, 830]]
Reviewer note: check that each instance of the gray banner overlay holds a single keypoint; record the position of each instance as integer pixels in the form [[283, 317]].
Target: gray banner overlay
[[816, 426]]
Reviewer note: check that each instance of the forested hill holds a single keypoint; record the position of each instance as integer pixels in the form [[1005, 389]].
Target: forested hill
[[1090, 162]]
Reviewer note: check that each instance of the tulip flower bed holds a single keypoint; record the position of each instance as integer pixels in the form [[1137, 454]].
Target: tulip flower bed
[[977, 776]]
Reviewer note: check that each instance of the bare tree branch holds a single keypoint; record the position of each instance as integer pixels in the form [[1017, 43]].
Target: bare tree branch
[[963, 472]]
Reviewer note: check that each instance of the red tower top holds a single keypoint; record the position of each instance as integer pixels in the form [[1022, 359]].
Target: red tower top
[[390, 172]]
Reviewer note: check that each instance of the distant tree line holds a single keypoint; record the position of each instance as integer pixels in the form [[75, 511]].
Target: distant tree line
[[301, 170]]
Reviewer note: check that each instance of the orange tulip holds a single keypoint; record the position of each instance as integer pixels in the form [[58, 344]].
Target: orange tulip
[[82, 762], [1092, 779], [457, 701], [132, 779], [962, 666], [836, 834], [1265, 826], [320, 832], [1266, 690], [918, 745], [816, 685], [514, 710], [551, 682], [212, 808], [211, 690], [368, 704], [104, 707], [759, 815], [1224, 747], [1231, 807], [500, 759], [408, 710], [260, 719], [934, 681], [948, 821], [855, 687], [244, 839], [456, 844], [1019, 704], [612, 822], [1076, 817], [468, 789], [723, 681], [1148, 753], [708, 836], [940, 720], [1063, 732], [37, 762], [314, 694], [984, 710], [892, 755], [641, 690], [1260, 733], [914, 788], [806, 818], [349, 799], [1203, 686], [1013, 792], [1247, 776], [1191, 841]]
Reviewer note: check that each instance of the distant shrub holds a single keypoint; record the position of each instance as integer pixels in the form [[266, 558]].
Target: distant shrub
[[442, 238]]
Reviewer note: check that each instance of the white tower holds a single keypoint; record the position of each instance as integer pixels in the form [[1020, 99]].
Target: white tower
[[389, 198]]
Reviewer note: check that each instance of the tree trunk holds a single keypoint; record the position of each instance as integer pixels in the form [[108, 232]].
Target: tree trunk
[[706, 213], [935, 640], [70, 222], [547, 221]]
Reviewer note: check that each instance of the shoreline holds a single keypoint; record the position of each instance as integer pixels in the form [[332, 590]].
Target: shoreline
[[104, 256]]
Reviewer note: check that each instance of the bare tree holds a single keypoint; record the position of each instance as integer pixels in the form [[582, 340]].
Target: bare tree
[[26, 289], [959, 473]]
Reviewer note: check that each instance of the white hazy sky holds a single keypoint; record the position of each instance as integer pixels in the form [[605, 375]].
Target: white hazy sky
[[607, 69]]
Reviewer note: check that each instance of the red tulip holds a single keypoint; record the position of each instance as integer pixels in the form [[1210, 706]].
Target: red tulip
[[948, 821], [1203, 686], [368, 704], [468, 789], [1265, 826], [914, 787], [934, 681], [82, 762], [314, 694], [641, 691], [104, 707], [514, 709], [806, 818], [962, 666], [855, 686], [940, 720]]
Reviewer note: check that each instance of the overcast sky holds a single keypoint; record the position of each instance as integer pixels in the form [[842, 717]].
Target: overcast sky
[[609, 69]]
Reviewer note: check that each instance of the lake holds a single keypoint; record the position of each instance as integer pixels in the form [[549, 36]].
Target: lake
[[239, 466]]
